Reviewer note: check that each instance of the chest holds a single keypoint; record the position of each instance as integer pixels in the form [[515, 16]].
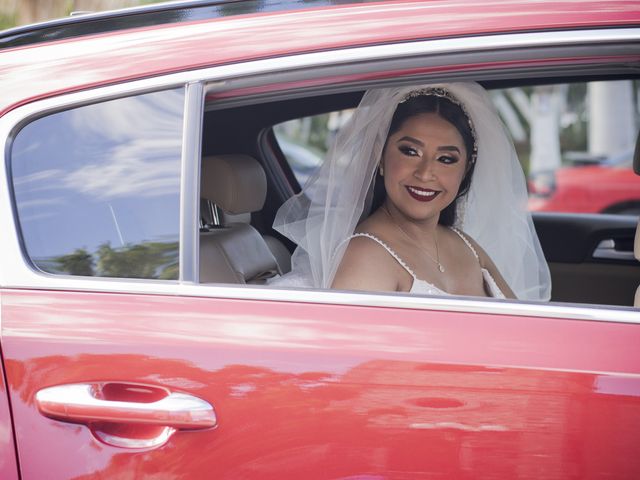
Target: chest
[[462, 273]]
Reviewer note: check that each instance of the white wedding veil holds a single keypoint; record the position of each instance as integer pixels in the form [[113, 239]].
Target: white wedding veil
[[493, 212]]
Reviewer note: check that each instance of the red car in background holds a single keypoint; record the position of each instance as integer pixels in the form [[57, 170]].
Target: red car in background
[[606, 185], [125, 353]]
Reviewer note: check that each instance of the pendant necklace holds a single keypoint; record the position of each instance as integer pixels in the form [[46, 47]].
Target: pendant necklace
[[435, 237]]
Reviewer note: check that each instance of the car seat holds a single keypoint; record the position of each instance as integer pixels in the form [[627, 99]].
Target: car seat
[[234, 252]]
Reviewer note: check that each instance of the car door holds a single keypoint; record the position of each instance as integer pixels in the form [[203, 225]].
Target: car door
[[265, 388], [584, 249]]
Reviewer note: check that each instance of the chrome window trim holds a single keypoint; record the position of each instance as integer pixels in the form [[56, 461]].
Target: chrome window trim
[[15, 272], [189, 257], [364, 299]]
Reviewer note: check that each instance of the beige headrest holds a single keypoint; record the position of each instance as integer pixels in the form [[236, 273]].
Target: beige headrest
[[236, 183]]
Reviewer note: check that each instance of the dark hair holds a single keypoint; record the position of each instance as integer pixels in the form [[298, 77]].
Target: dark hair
[[452, 113]]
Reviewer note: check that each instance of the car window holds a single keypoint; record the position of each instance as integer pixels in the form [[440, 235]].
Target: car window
[[305, 141], [97, 187], [575, 142]]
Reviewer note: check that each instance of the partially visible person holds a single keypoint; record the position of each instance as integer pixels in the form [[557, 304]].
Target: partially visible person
[[436, 168], [409, 243]]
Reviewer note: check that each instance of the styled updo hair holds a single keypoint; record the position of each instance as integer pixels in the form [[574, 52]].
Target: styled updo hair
[[437, 102]]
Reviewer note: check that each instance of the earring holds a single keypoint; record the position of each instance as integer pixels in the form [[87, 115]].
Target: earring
[[381, 169]]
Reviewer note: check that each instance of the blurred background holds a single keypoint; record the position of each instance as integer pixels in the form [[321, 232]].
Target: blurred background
[[14, 13]]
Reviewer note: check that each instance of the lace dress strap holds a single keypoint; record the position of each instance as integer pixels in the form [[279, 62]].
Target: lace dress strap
[[388, 249], [467, 242]]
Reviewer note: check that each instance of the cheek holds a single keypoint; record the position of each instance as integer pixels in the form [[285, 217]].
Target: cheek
[[395, 164], [458, 173], [452, 178]]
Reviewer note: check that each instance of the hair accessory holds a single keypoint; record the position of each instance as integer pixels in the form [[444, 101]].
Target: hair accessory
[[442, 93]]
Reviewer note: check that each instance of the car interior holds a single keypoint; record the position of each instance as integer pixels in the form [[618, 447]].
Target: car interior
[[245, 178]]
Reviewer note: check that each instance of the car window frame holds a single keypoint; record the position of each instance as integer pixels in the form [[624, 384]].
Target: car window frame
[[99, 104], [361, 68]]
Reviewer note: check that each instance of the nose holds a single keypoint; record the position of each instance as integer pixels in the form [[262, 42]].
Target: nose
[[424, 170]]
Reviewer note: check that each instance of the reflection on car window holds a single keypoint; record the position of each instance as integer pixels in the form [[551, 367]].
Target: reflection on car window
[[575, 142], [97, 187]]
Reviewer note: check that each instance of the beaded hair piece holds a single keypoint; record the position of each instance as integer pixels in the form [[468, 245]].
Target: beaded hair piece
[[441, 92]]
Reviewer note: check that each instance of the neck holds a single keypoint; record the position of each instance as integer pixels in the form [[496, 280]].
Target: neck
[[421, 234], [417, 229]]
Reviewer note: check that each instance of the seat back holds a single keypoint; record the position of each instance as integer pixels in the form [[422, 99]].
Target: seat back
[[234, 252]]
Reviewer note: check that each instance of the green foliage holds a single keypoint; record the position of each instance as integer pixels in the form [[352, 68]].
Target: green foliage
[[143, 260], [69, 7], [7, 20], [80, 262], [318, 137]]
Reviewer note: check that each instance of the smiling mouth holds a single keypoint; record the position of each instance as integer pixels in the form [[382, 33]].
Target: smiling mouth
[[422, 194]]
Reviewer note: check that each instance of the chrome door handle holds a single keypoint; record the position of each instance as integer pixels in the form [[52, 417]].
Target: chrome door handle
[[92, 404], [607, 249]]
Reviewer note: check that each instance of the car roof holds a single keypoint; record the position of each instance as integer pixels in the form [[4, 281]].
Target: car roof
[[89, 23], [35, 71]]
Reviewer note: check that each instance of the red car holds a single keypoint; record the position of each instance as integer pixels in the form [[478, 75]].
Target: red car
[[131, 349], [605, 186]]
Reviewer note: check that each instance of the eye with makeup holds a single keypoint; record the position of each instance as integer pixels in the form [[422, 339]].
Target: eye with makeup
[[409, 150], [448, 159]]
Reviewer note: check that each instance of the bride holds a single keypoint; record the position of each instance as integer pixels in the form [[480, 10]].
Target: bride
[[421, 192]]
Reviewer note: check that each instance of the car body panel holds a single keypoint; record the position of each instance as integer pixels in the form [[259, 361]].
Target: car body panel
[[8, 466], [330, 391], [30, 73], [307, 384]]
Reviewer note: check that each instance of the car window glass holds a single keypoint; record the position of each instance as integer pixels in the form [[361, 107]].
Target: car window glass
[[97, 187], [305, 141], [575, 142]]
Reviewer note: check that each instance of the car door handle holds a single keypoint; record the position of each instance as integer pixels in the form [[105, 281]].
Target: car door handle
[[125, 403], [606, 249]]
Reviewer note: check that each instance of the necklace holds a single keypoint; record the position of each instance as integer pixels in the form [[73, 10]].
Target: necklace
[[435, 237]]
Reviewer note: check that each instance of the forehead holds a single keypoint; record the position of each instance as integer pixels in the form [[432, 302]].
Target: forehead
[[430, 126]]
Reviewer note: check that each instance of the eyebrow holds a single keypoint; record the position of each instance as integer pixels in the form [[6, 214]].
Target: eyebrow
[[447, 148]]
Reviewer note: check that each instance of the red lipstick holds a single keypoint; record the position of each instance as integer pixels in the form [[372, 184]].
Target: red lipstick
[[422, 194]]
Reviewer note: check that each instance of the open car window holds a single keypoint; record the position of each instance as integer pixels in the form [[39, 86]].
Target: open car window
[[575, 142]]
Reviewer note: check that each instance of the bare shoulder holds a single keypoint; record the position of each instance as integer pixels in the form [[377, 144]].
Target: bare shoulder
[[487, 263], [485, 259], [367, 265]]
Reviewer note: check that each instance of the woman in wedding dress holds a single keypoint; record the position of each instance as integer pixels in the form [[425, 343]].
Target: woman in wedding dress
[[422, 192]]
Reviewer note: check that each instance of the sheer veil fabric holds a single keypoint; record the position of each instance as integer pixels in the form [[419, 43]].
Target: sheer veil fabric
[[494, 211]]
